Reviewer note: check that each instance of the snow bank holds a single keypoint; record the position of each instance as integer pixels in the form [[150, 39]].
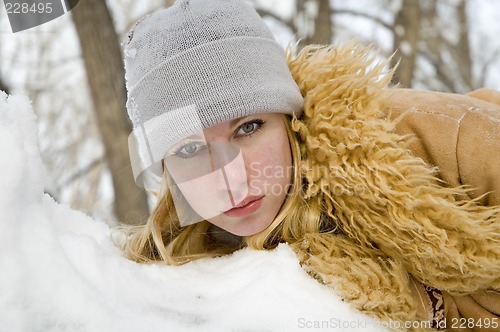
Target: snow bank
[[59, 270]]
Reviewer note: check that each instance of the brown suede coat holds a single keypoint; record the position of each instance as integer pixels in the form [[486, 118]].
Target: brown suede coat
[[460, 134]]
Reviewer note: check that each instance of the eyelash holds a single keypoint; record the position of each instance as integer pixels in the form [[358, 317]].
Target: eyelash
[[260, 123]]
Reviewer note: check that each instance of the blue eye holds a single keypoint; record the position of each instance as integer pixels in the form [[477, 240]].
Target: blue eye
[[190, 150], [249, 128]]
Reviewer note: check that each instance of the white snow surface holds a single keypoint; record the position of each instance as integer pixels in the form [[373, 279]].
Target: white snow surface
[[60, 271]]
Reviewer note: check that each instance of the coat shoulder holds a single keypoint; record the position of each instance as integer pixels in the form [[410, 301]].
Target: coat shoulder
[[460, 134]]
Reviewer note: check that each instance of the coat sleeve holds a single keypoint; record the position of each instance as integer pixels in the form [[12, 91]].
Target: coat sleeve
[[461, 136], [478, 147]]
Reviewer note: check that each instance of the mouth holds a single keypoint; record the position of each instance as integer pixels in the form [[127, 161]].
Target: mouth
[[248, 206]]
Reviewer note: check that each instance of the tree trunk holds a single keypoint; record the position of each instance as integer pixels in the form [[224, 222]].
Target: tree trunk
[[322, 25], [463, 48], [451, 57], [314, 28], [406, 36], [105, 74]]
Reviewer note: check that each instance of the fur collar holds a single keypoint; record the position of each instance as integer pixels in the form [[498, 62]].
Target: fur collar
[[395, 215]]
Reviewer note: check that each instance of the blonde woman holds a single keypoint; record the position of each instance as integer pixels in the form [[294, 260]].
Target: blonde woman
[[389, 196]]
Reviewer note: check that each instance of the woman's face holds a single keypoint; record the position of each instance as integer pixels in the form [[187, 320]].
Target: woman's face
[[235, 174]]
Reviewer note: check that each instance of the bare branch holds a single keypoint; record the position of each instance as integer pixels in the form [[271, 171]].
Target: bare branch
[[81, 173], [486, 66], [354, 13], [442, 76]]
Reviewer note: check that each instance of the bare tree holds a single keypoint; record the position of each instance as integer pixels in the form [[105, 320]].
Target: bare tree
[[406, 36], [447, 49], [462, 48], [105, 74], [313, 21], [432, 34]]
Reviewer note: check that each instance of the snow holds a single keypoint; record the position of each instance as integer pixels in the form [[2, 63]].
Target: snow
[[62, 272]]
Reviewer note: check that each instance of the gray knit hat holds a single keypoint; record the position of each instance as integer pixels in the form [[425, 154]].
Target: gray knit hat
[[197, 64]]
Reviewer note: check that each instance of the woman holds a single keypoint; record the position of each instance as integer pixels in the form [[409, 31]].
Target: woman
[[389, 196]]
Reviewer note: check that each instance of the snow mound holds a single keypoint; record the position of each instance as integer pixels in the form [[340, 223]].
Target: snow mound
[[61, 272]]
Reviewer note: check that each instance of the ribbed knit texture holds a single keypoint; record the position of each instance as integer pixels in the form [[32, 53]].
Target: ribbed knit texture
[[197, 64]]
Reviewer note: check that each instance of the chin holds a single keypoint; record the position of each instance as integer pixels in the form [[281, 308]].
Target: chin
[[244, 232], [243, 228]]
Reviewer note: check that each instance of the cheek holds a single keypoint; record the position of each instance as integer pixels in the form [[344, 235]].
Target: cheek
[[270, 166]]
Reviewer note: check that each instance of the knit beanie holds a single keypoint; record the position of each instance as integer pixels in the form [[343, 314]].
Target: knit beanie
[[197, 64]]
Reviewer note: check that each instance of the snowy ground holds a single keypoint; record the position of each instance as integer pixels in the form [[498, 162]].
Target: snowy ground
[[59, 270]]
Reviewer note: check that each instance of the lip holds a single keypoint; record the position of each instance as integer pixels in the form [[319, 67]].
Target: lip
[[248, 206]]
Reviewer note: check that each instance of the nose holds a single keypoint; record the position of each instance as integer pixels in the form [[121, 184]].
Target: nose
[[229, 166]]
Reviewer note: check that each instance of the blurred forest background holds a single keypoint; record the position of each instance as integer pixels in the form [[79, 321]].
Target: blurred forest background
[[72, 70]]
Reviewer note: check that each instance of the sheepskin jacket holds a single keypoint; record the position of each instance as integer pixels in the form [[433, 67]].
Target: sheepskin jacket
[[458, 134], [413, 181], [461, 136]]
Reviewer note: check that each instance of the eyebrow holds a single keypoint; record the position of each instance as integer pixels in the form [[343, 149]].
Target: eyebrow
[[235, 121]]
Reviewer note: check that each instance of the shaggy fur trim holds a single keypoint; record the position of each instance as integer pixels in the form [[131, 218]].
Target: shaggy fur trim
[[385, 200], [365, 277]]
